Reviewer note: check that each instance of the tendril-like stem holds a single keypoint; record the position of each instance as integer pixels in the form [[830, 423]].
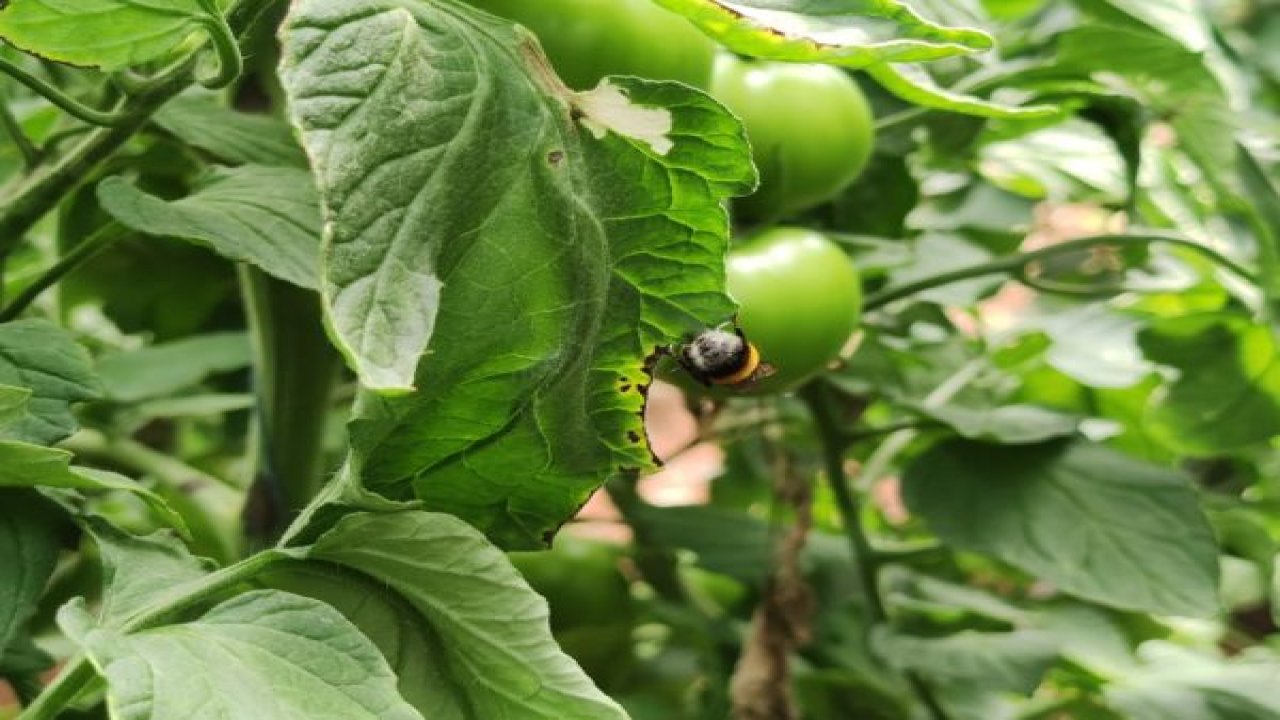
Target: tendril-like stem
[[55, 95], [225, 47], [1016, 264]]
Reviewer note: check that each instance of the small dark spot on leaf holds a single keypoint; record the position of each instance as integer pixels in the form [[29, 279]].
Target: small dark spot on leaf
[[633, 436], [643, 389], [625, 387], [554, 158]]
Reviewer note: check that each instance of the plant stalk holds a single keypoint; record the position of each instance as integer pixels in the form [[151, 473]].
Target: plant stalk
[[295, 368], [77, 256], [865, 559], [30, 153], [1015, 264]]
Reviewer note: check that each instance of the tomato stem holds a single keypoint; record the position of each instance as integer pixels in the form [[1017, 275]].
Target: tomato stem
[[77, 256], [1016, 264], [866, 560]]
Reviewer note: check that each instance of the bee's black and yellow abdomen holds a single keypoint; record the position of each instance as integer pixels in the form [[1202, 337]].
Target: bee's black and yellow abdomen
[[750, 363]]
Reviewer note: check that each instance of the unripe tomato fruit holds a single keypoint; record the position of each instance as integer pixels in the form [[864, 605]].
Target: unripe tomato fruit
[[590, 600], [810, 128], [589, 39], [799, 298]]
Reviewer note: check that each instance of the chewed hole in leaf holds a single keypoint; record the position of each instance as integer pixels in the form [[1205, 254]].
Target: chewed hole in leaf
[[608, 109]]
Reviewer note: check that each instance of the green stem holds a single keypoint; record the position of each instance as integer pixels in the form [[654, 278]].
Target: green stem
[[865, 558], [888, 450], [208, 503], [55, 95], [227, 51], [295, 367], [1014, 264], [77, 256], [659, 567], [833, 443], [872, 433], [42, 191], [30, 154], [139, 458], [75, 675]]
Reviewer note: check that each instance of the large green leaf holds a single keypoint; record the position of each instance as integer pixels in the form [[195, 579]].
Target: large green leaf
[[43, 358], [487, 631], [13, 404], [231, 136], [852, 33], [537, 244], [23, 465], [29, 545], [914, 84], [140, 571], [386, 618], [1094, 522], [867, 34], [264, 654], [1182, 20], [110, 34], [973, 673], [1071, 161], [165, 368], [1011, 424], [1226, 395], [266, 216], [1168, 78], [1180, 684]]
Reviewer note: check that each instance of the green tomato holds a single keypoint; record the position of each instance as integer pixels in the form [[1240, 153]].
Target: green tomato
[[800, 300], [810, 127], [589, 39], [592, 613], [580, 580]]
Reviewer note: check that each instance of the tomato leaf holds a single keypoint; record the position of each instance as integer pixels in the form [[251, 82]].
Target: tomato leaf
[[42, 358], [1226, 396], [1168, 78], [537, 244], [26, 465], [140, 571], [882, 37], [488, 631], [387, 619], [262, 654], [1010, 424], [13, 404], [914, 84], [166, 368], [1095, 523], [266, 216], [233, 137], [973, 672], [29, 543], [853, 33], [108, 34]]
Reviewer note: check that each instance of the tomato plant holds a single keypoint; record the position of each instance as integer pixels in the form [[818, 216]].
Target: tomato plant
[[329, 332], [810, 127]]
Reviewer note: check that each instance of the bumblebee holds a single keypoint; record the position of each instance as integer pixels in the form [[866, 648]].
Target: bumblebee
[[720, 357]]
